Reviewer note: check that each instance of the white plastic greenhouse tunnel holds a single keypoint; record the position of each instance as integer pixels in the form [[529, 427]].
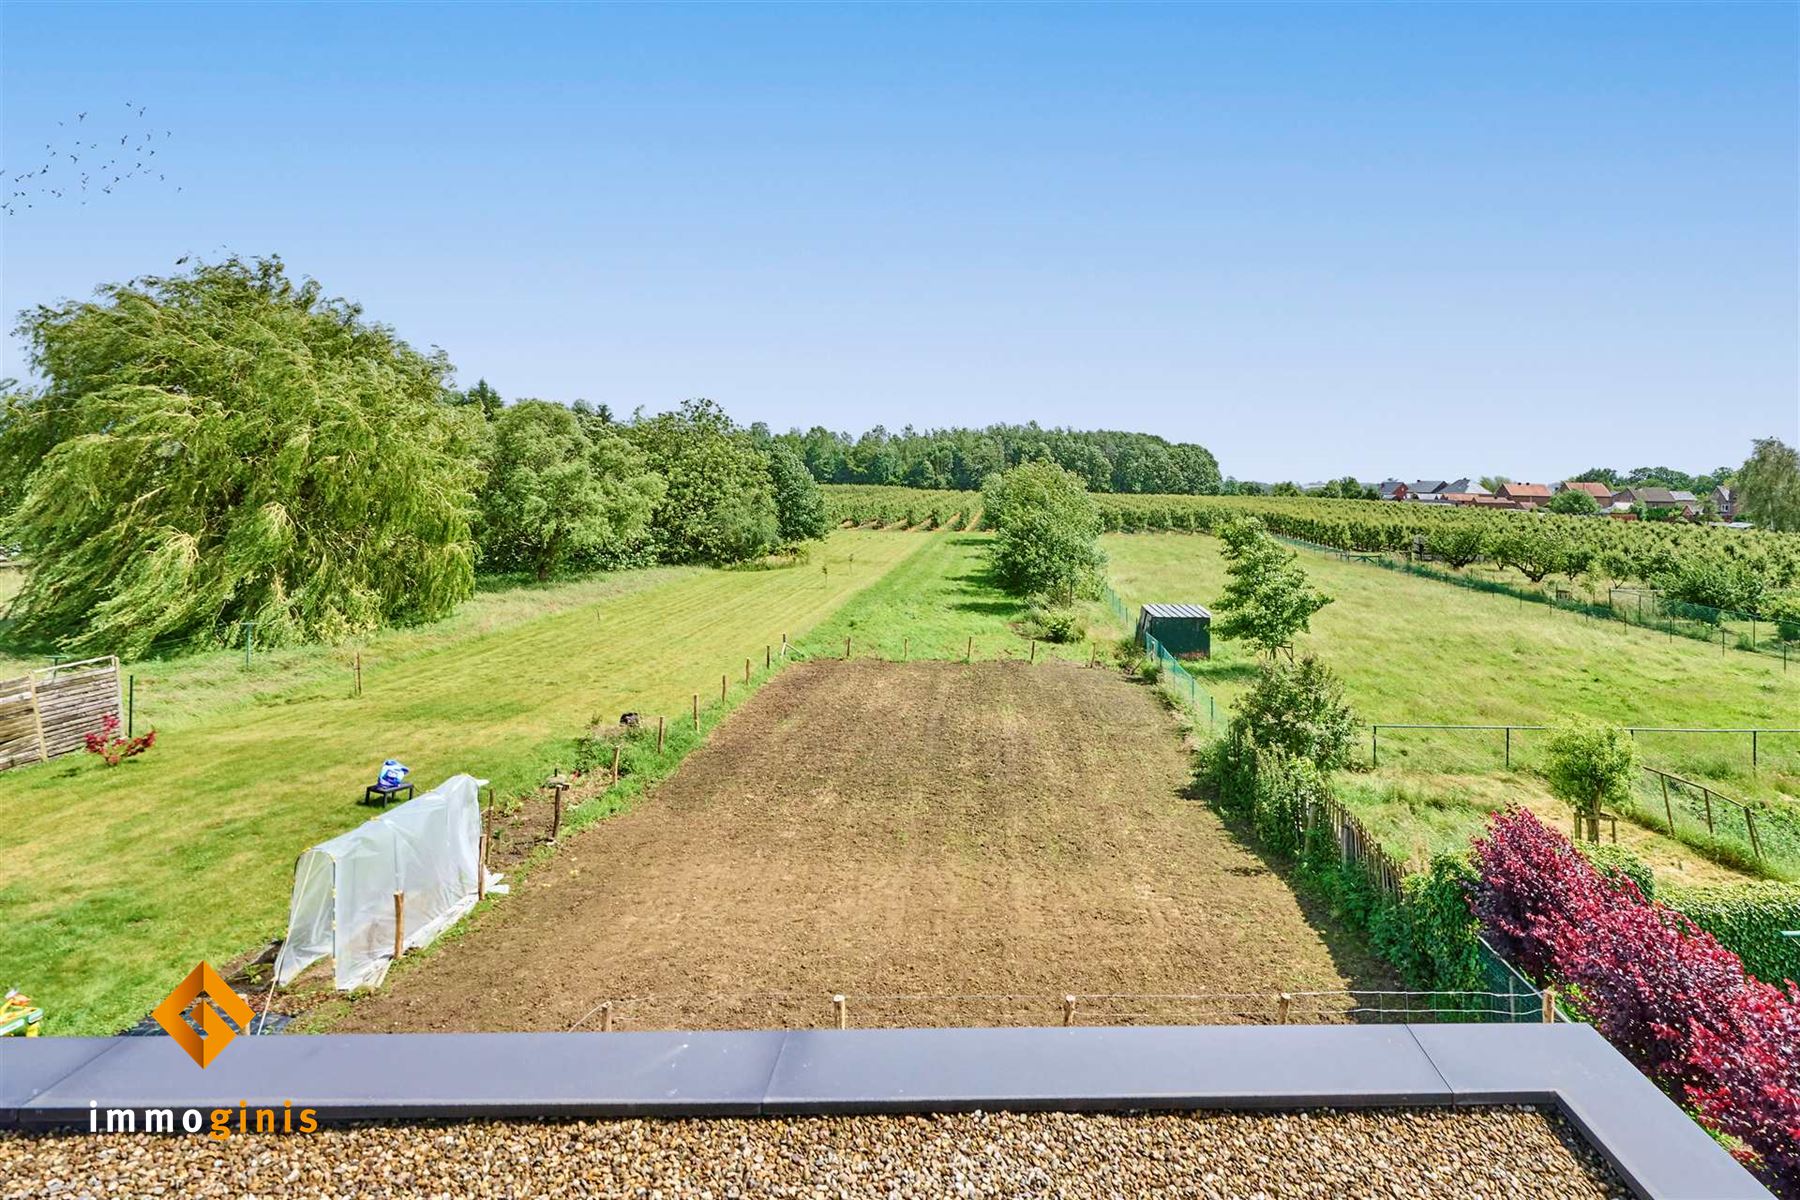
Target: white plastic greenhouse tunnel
[[393, 883]]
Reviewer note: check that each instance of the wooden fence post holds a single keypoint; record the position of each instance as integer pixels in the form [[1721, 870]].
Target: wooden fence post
[[838, 1006], [746, 670], [846, 648], [559, 788], [359, 672], [969, 654], [1668, 810], [481, 861], [1034, 650], [723, 681], [768, 657], [1068, 1010], [1284, 1007], [659, 736], [1549, 1006], [399, 923], [905, 649], [37, 715], [606, 1017], [696, 712], [617, 751]]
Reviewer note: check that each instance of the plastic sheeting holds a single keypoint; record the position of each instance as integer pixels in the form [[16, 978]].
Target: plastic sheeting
[[343, 905]]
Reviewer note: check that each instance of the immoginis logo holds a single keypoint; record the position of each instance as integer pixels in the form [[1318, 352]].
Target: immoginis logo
[[203, 985]]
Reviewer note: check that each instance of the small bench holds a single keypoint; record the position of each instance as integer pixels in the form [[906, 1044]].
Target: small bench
[[375, 792]]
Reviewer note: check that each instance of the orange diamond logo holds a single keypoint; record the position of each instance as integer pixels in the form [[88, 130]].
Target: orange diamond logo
[[171, 1014]]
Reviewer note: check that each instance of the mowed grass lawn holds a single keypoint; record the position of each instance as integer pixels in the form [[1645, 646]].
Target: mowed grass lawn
[[118, 881], [1415, 650], [941, 603]]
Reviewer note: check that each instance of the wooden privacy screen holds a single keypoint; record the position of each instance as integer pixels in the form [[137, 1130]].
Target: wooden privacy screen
[[50, 711]]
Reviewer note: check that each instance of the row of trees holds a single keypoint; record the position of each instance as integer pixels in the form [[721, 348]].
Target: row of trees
[[232, 446], [1750, 571], [960, 459]]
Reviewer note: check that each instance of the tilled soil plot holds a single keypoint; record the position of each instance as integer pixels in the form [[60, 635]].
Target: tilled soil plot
[[942, 843]]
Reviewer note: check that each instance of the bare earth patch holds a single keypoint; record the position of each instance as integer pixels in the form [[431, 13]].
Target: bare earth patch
[[900, 833]]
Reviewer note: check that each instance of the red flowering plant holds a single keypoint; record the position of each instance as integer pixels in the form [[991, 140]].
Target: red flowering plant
[[114, 749], [1664, 992]]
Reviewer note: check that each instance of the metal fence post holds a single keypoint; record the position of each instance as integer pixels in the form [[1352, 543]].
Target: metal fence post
[[1509, 747], [1374, 745]]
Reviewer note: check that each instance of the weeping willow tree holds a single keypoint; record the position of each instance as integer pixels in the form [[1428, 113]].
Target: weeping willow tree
[[227, 446]]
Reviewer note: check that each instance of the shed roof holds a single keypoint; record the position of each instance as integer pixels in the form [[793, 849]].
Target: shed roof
[[1177, 610]]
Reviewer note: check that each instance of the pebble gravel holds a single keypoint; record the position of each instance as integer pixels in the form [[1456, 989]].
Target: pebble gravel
[[1468, 1154]]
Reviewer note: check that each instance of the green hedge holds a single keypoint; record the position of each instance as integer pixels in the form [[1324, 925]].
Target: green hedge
[[1748, 919], [1428, 934]]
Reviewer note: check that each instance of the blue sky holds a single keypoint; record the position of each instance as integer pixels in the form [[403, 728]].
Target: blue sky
[[1432, 241]]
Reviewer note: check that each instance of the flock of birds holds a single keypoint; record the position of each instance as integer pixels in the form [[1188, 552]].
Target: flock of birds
[[86, 164]]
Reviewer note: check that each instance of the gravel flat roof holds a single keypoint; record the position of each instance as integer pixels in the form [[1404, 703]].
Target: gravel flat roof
[[1456, 1154]]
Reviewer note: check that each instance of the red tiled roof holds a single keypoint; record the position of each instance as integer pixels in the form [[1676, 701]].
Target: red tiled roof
[[1527, 491], [1598, 491]]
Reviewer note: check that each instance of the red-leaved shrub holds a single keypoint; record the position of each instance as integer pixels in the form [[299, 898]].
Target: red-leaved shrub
[[114, 749], [1664, 992]]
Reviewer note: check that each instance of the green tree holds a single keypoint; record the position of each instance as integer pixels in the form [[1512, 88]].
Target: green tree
[[484, 398], [1493, 483], [1298, 708], [1267, 598], [1573, 502], [555, 491], [230, 445], [1770, 483], [1046, 532], [799, 505], [719, 506], [1590, 765]]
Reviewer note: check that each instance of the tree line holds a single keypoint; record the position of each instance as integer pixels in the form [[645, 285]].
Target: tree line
[[230, 445], [961, 459]]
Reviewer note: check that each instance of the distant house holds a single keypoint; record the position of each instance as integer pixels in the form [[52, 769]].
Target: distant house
[[1393, 489], [1465, 487], [1428, 491], [1649, 497], [1525, 493], [1726, 501], [1601, 493]]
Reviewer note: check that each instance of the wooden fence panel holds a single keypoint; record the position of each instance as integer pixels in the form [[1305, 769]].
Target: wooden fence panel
[[50, 712]]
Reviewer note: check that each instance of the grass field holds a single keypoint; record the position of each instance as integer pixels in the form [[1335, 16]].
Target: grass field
[[118, 880], [944, 843], [939, 603], [1415, 650]]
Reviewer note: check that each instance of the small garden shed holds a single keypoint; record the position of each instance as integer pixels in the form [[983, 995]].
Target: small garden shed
[[1184, 630]]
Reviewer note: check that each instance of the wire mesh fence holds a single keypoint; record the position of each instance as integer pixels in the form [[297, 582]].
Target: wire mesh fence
[[1511, 1000], [1171, 672]]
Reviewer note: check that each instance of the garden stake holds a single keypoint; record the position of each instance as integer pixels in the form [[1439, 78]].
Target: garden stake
[[846, 649], [359, 672], [606, 1017], [696, 712], [843, 1017], [1034, 650], [723, 680], [659, 736], [768, 657], [969, 654], [399, 923], [1068, 1010], [617, 750], [746, 670]]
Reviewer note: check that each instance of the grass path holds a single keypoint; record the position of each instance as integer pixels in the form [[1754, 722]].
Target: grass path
[[117, 881], [1415, 650], [934, 604]]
